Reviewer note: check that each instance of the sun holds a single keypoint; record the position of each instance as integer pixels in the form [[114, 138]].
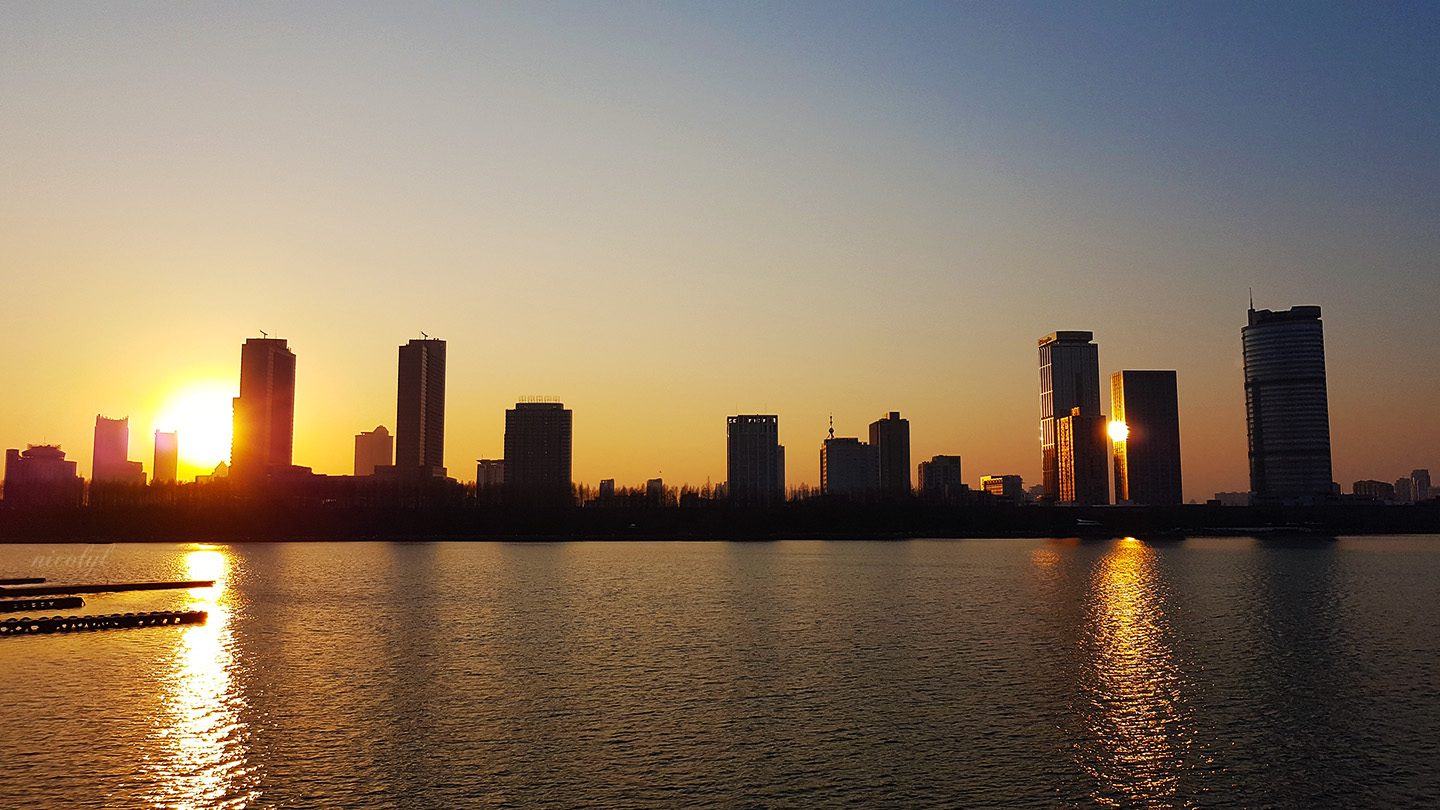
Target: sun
[[200, 414], [1119, 431]]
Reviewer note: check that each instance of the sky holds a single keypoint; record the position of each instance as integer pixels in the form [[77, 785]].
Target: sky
[[667, 213]]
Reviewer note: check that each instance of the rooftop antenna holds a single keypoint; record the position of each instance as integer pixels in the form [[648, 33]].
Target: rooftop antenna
[[1252, 299], [263, 334], [832, 425], [423, 335]]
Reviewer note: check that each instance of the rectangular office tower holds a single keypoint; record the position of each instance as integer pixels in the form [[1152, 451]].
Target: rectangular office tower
[[373, 448], [420, 409], [1069, 379], [1145, 435], [537, 453], [1287, 412], [167, 457], [849, 468], [754, 459], [264, 414], [109, 464], [1081, 459], [890, 436], [941, 478]]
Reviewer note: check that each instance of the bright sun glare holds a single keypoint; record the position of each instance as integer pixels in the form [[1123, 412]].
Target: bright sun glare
[[200, 414], [1119, 431]]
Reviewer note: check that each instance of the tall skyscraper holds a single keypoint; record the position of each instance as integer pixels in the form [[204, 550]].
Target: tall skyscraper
[[1069, 379], [890, 435], [754, 459], [941, 478], [1286, 409], [1145, 436], [167, 457], [264, 420], [537, 453], [849, 467], [420, 409], [1080, 452], [373, 448], [109, 464]]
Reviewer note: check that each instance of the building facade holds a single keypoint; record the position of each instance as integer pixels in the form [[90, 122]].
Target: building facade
[[890, 436], [109, 463], [420, 409], [849, 468], [167, 457], [1286, 407], [263, 440], [941, 478], [373, 448], [754, 460], [537, 453], [40, 475], [1009, 487], [1080, 450], [1069, 379], [1145, 437]]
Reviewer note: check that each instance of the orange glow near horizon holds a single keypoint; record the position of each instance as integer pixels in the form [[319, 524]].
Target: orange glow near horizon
[[200, 414]]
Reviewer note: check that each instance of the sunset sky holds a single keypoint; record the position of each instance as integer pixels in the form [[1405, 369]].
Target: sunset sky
[[664, 214]]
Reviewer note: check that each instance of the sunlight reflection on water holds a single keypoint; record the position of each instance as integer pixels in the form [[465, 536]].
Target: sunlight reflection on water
[[206, 762]]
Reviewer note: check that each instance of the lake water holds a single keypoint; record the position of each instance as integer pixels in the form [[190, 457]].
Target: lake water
[[960, 673]]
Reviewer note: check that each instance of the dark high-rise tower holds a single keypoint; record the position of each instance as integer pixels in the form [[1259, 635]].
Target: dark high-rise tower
[[1287, 412], [264, 420], [420, 409], [167, 457], [537, 453], [1147, 447], [1069, 379], [890, 436], [754, 459]]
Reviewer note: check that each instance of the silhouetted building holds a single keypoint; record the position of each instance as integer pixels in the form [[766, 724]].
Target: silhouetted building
[[940, 477], [264, 420], [40, 476], [1420, 484], [1286, 409], [1080, 453], [167, 457], [1404, 490], [109, 464], [754, 459], [1374, 490], [420, 409], [849, 468], [489, 473], [537, 453], [606, 493], [1145, 407], [655, 491], [890, 436], [373, 448], [1069, 379], [1009, 487]]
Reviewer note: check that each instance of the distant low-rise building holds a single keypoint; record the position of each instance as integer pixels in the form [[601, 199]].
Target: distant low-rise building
[[1009, 487], [1233, 498], [489, 473], [167, 457], [40, 475], [373, 448], [848, 468], [1420, 484], [1374, 490]]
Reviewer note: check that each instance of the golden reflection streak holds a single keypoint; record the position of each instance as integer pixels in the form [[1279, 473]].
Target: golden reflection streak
[[1135, 717], [206, 766]]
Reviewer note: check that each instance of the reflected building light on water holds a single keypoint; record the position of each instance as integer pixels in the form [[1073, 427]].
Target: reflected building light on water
[[1138, 745], [205, 763]]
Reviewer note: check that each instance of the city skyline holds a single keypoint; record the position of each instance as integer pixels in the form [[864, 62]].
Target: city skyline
[[688, 207]]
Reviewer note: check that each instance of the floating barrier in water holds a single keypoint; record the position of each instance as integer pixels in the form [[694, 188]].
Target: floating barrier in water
[[113, 621], [111, 587], [21, 580], [52, 603]]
